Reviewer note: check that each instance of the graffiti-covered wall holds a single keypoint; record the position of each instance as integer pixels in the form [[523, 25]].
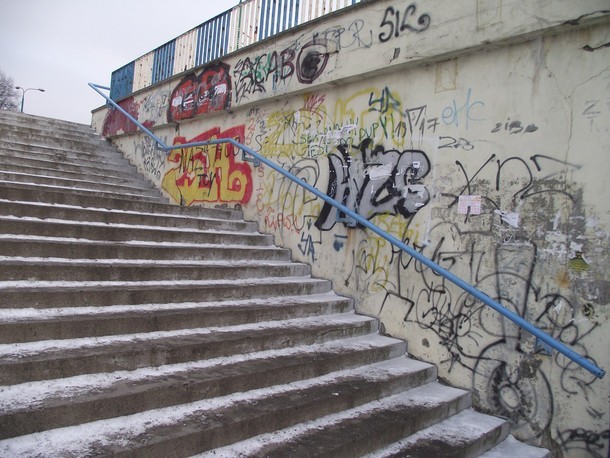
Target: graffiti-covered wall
[[475, 131]]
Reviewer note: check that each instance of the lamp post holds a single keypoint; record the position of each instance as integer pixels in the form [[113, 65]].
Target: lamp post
[[23, 91]]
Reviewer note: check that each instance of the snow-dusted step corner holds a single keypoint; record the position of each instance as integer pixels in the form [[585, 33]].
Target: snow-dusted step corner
[[512, 447], [355, 431], [467, 433]]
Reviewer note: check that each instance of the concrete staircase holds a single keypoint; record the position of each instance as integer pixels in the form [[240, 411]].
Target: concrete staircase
[[132, 327]]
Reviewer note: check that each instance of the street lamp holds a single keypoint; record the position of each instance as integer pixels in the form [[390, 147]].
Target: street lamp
[[23, 91]]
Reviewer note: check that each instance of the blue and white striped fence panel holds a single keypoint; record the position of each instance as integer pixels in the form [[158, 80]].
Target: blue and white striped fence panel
[[213, 39], [143, 71], [163, 64], [245, 20], [122, 81], [243, 25], [313, 9], [186, 50], [277, 16]]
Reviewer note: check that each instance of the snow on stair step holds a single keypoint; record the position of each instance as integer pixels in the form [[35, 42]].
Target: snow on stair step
[[142, 188], [33, 406], [466, 433], [55, 269], [30, 324], [348, 433], [52, 227], [106, 191], [38, 360], [511, 447], [201, 425], [46, 246], [52, 294], [98, 215]]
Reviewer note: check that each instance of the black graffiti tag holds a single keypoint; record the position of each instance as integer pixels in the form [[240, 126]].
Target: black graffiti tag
[[393, 26], [312, 61], [372, 181]]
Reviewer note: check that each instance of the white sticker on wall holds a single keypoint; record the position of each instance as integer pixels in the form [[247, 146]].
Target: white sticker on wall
[[378, 172], [469, 205], [512, 219]]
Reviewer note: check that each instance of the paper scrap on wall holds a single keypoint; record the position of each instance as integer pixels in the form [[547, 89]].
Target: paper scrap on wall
[[469, 205]]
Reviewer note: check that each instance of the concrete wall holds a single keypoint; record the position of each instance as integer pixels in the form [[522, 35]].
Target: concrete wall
[[475, 131]]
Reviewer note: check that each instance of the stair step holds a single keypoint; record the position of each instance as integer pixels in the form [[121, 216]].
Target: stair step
[[52, 269], [137, 187], [63, 168], [358, 430], [73, 141], [98, 200], [35, 120], [82, 399], [466, 433], [67, 212], [58, 177], [86, 144], [31, 361], [74, 131], [203, 425], [29, 324], [126, 232], [87, 195], [64, 247], [46, 153], [97, 294]]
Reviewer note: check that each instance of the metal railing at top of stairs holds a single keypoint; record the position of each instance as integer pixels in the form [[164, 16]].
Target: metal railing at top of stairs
[[246, 23], [515, 318]]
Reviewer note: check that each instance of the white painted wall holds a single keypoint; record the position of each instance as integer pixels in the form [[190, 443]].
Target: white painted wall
[[503, 105]]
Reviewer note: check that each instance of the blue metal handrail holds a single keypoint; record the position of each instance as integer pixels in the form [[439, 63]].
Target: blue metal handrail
[[538, 333]]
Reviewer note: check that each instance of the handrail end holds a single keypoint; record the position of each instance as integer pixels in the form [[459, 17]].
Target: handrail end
[[99, 86], [599, 373]]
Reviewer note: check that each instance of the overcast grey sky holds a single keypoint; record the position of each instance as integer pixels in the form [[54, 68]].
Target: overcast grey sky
[[61, 45]]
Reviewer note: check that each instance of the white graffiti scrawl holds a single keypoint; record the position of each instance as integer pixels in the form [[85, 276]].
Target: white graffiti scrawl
[[371, 181]]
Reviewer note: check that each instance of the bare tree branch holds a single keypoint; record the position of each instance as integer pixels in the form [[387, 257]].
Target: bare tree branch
[[9, 98]]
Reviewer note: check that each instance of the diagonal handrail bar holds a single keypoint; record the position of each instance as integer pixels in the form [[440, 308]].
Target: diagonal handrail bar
[[515, 318]]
